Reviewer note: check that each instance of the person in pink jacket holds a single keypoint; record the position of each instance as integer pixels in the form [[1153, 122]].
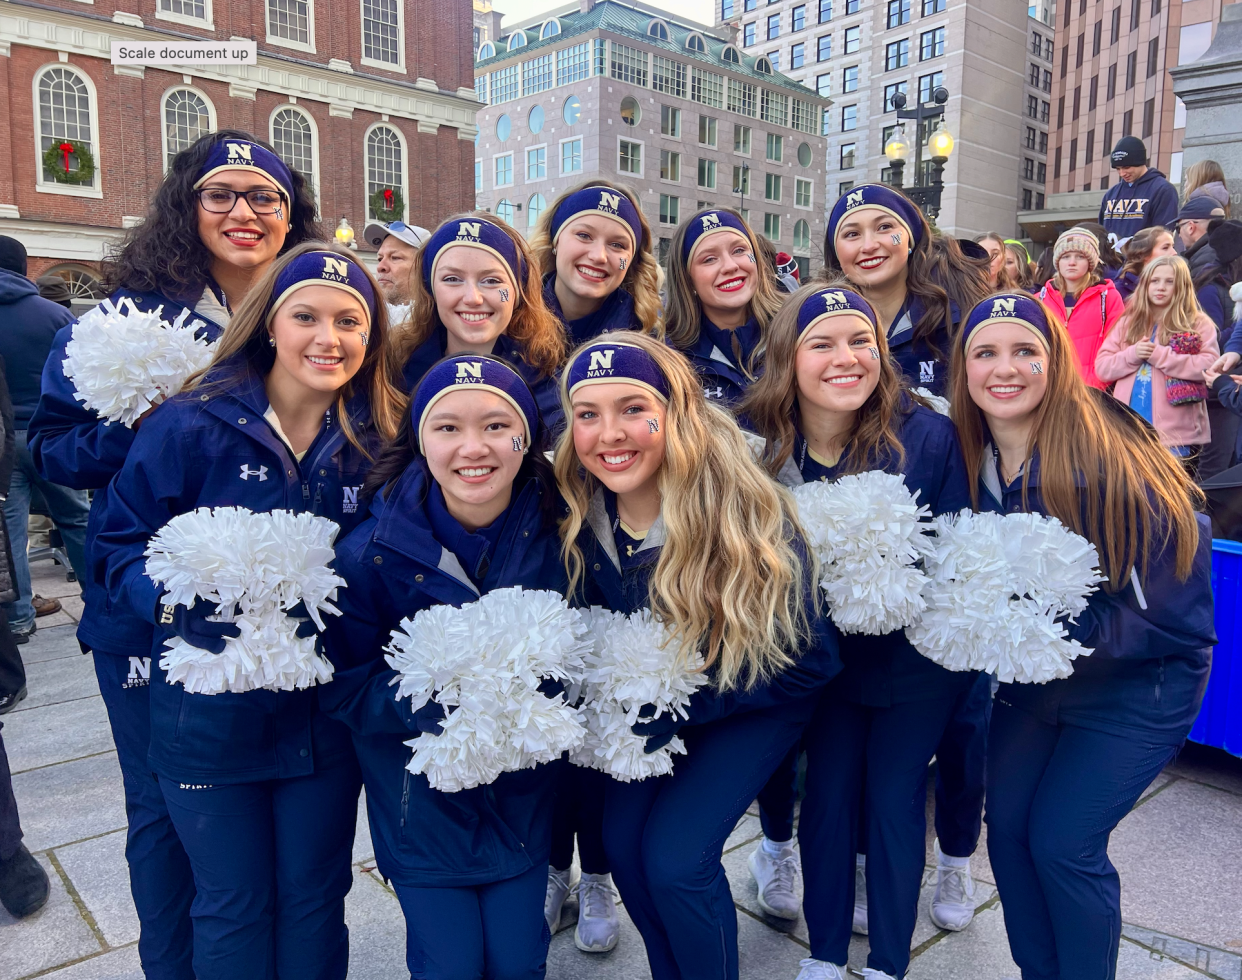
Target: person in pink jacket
[[1157, 353], [1086, 301]]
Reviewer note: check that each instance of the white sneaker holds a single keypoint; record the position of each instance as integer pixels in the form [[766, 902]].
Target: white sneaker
[[778, 879], [953, 902], [820, 970], [870, 974], [598, 927], [860, 895], [554, 899]]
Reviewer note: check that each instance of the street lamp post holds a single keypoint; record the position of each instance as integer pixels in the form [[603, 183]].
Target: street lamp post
[[940, 144], [741, 187]]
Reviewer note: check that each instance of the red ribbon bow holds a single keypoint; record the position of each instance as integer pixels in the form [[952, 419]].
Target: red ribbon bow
[[66, 149], [388, 198]]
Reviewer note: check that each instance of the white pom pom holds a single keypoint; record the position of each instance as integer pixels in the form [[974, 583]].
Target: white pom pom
[[486, 661], [867, 531], [123, 361], [999, 585], [632, 664], [254, 567], [939, 403]]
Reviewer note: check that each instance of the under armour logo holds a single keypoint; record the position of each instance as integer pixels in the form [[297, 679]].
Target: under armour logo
[[717, 392], [629, 551], [247, 472]]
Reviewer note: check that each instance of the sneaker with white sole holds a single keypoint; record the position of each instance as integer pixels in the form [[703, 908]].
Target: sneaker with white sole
[[820, 970], [860, 895], [953, 901], [778, 879], [554, 900], [598, 927], [870, 974]]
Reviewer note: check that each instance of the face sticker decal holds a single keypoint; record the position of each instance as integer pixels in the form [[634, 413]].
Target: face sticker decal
[[621, 263], [363, 337], [1037, 367], [517, 444], [896, 238], [504, 295], [653, 425], [751, 256], [280, 214], [875, 353]]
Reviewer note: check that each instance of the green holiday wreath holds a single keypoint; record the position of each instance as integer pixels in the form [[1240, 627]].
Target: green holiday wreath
[[57, 156], [387, 208]]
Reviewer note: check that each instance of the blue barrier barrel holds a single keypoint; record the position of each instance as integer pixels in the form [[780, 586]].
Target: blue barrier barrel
[[1220, 719]]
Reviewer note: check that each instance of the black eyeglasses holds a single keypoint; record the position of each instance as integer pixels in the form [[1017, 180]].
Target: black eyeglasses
[[220, 200]]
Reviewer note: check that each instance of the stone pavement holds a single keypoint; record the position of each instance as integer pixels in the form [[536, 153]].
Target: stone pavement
[[1179, 852]]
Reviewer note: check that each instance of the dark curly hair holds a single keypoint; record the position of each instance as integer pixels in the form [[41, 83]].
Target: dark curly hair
[[164, 254]]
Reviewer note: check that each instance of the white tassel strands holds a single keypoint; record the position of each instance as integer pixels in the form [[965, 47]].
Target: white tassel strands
[[254, 567], [124, 361]]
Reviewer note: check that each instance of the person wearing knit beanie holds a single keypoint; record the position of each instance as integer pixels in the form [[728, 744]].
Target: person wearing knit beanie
[[1077, 240], [1087, 303]]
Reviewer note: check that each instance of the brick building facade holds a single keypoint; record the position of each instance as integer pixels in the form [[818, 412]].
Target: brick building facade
[[361, 94]]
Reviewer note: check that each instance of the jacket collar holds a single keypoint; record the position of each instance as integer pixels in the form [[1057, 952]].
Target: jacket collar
[[601, 524], [615, 313]]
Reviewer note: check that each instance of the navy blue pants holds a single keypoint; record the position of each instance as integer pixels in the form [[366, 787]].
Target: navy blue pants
[[1055, 793], [887, 750], [483, 932], [271, 867], [10, 827], [579, 811], [665, 838], [778, 798], [159, 871]]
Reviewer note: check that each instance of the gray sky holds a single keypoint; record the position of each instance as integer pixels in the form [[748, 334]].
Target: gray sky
[[517, 10]]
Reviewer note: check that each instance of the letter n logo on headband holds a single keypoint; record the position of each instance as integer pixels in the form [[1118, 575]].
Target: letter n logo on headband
[[469, 369], [609, 202], [469, 229], [853, 199], [238, 152], [336, 267], [1002, 306], [711, 220], [834, 299], [601, 360]]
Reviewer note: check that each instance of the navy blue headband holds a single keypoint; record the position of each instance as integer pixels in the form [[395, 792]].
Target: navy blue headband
[[833, 302], [606, 363], [243, 155], [878, 196], [599, 200], [707, 223], [475, 232], [1019, 308], [474, 372], [323, 269]]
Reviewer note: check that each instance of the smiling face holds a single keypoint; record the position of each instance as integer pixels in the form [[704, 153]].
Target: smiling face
[[837, 365], [1161, 286], [1006, 371], [1073, 267], [393, 268], [475, 298], [468, 443], [593, 254], [241, 238], [724, 277], [319, 345], [613, 435], [873, 247]]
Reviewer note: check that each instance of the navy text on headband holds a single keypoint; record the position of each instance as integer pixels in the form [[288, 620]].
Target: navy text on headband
[[323, 269], [599, 201], [242, 155], [602, 364], [475, 372], [882, 198], [826, 303], [1019, 308], [707, 223], [474, 232]]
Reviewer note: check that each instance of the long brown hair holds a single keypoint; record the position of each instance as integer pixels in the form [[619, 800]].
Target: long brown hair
[[533, 326], [728, 581], [1202, 173], [1180, 316], [642, 280], [1140, 245], [1004, 282], [683, 312], [245, 340], [1102, 471], [771, 403]]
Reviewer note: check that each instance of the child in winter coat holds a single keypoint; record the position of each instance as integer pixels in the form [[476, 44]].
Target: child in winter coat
[[1087, 304], [1157, 354]]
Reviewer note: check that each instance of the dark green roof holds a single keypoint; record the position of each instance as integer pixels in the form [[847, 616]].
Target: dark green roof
[[618, 18]]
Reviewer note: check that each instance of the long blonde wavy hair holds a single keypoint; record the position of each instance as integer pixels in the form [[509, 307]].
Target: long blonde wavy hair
[[728, 581], [642, 281], [1180, 316]]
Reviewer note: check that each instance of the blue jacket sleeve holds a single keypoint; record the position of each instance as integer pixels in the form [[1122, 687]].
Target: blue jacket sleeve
[[69, 443], [1233, 344], [1163, 205], [1228, 393], [1210, 300]]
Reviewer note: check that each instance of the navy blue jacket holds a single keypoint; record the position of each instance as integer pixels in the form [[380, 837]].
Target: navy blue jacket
[[724, 380], [1127, 209], [213, 448], [1152, 652], [71, 445], [791, 695], [1126, 283], [923, 365], [30, 325], [546, 389], [885, 670], [395, 567], [616, 313]]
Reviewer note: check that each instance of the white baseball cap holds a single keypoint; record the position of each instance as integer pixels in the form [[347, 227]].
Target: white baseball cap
[[376, 231]]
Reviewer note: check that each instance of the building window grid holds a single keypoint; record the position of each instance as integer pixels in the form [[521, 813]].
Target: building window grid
[[504, 84], [934, 7], [890, 91], [797, 55], [670, 121], [853, 40], [294, 141], [928, 84], [630, 157], [797, 18], [64, 111], [571, 156], [896, 54], [849, 79], [670, 165], [848, 153], [480, 88], [707, 88], [573, 63], [825, 11], [931, 44], [670, 209], [601, 56], [668, 76], [802, 193], [898, 13], [741, 139], [774, 107], [707, 130], [537, 163], [741, 97], [537, 74], [629, 64], [185, 8], [775, 149], [384, 161], [707, 174], [774, 27], [849, 118], [772, 227], [186, 118], [802, 117], [823, 48], [381, 31], [289, 19], [502, 175]]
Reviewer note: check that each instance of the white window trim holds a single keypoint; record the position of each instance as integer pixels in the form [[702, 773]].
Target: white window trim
[[736, 50], [362, 46], [314, 128], [642, 165], [667, 30], [669, 180], [211, 116], [715, 174], [478, 163], [537, 146], [804, 207], [710, 146], [206, 22], [680, 127], [405, 165], [285, 42], [561, 155], [669, 224], [50, 186], [512, 175], [550, 20]]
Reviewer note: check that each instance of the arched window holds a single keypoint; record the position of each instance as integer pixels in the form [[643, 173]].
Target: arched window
[[763, 66], [802, 236], [534, 208], [695, 42], [517, 40], [65, 113], [658, 29], [385, 163], [187, 116], [504, 210], [293, 135], [486, 50], [550, 28], [85, 289], [731, 55]]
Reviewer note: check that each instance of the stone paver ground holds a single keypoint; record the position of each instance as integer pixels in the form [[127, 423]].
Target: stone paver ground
[[1179, 852]]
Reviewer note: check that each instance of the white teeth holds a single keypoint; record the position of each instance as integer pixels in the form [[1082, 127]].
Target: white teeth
[[848, 379], [615, 460], [325, 360], [249, 235], [474, 317], [475, 471], [592, 273], [1005, 389]]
